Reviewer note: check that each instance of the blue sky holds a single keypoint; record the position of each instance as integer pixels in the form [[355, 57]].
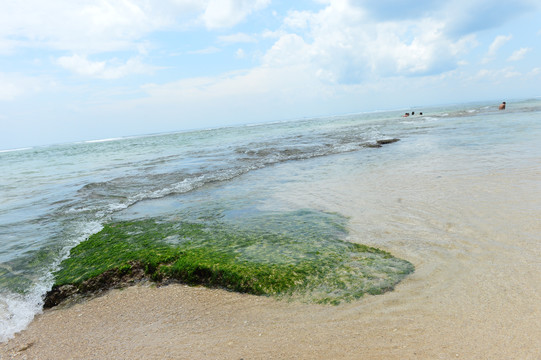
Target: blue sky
[[83, 70]]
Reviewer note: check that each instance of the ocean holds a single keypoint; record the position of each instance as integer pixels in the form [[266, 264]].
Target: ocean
[[433, 198]]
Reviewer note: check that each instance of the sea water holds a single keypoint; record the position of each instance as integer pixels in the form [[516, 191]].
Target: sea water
[[53, 197]]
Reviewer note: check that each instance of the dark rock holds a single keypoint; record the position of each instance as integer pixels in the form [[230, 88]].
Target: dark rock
[[387, 141], [111, 279], [380, 143], [57, 294]]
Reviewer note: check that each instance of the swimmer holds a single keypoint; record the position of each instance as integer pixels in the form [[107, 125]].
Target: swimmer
[[502, 106]]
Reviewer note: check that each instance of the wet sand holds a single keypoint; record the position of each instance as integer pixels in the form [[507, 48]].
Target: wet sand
[[473, 235], [180, 322]]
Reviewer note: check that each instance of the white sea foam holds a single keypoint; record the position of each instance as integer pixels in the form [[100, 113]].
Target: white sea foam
[[83, 230], [103, 140], [116, 207], [17, 311], [19, 149]]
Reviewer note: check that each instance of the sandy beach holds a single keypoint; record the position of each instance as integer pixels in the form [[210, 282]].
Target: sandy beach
[[472, 233], [180, 322]]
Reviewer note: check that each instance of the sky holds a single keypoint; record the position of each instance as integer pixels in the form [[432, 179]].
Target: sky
[[85, 70]]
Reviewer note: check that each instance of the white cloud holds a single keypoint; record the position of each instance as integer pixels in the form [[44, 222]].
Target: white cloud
[[268, 34], [205, 51], [497, 75], [519, 54], [346, 45], [227, 13], [13, 86], [298, 19], [498, 42], [290, 49], [94, 26], [89, 26], [240, 54], [235, 97], [535, 71], [314, 51], [9, 90], [237, 38], [7, 46], [112, 69]]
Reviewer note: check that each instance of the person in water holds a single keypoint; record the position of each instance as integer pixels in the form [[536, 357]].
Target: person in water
[[502, 106]]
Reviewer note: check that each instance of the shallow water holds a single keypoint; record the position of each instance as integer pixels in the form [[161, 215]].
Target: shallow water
[[457, 196], [468, 219], [460, 202]]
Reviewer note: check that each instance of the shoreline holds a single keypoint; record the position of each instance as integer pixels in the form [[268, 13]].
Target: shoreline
[[183, 322]]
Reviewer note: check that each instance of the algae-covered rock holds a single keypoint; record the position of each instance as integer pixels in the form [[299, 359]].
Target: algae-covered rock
[[299, 255]]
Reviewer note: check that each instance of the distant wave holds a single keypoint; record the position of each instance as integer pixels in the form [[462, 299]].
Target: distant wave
[[19, 149], [103, 140]]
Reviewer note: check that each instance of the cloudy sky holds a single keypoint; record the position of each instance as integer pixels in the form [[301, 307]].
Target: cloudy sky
[[93, 69]]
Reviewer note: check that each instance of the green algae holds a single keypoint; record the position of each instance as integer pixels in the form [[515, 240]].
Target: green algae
[[296, 255]]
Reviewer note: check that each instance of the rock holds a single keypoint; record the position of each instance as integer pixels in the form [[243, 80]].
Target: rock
[[57, 294], [387, 141], [111, 279], [380, 143]]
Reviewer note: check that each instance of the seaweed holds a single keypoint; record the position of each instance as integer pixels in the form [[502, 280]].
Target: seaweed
[[296, 255]]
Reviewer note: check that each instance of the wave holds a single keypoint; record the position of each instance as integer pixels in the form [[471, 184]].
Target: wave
[[14, 150], [103, 198], [103, 140], [17, 310]]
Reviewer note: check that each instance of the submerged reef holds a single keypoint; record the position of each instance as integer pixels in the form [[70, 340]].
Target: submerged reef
[[299, 255]]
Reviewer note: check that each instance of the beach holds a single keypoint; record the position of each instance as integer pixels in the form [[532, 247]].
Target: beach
[[473, 236], [457, 196]]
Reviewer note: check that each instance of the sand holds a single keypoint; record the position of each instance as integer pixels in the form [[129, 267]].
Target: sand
[[180, 322]]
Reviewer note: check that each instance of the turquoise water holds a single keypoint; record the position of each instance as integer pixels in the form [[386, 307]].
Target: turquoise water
[[56, 196]]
